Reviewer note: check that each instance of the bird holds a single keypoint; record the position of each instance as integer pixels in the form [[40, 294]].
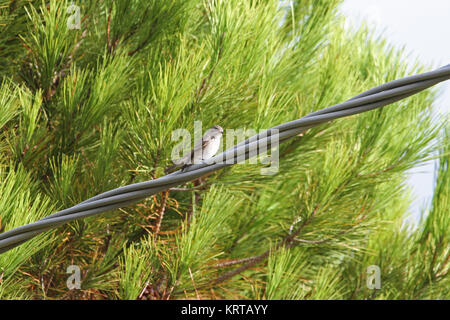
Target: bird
[[204, 149]]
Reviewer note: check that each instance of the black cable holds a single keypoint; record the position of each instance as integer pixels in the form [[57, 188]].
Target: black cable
[[123, 196]]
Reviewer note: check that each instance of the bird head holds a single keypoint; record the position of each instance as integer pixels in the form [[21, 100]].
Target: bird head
[[218, 128]]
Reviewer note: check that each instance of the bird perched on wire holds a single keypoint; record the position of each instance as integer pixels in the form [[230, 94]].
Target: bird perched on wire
[[204, 149]]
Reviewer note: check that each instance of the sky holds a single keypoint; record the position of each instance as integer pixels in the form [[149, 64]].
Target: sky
[[423, 28]]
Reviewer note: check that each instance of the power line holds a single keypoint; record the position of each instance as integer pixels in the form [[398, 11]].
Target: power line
[[377, 97]]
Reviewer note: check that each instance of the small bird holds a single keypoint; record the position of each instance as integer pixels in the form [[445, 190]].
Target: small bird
[[203, 150]]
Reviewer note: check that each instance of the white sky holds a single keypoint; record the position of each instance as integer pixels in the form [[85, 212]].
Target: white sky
[[423, 27]]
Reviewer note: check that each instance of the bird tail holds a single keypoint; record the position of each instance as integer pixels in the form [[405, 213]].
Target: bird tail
[[183, 166], [168, 169]]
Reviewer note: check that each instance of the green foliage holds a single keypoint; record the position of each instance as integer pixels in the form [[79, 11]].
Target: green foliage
[[20, 203], [83, 111], [283, 268], [197, 242], [136, 270]]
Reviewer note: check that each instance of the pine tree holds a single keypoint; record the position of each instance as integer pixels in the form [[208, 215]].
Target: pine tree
[[87, 106]]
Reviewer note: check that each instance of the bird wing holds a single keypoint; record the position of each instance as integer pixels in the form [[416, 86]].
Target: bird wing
[[199, 146]]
